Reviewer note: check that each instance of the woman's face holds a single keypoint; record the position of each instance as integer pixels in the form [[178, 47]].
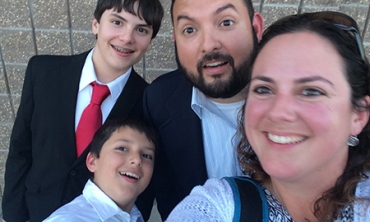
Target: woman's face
[[298, 114]]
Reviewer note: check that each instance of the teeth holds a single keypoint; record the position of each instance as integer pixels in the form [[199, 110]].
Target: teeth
[[132, 175], [122, 50], [285, 139], [214, 64]]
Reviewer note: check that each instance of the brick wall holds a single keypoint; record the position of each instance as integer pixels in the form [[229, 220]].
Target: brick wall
[[29, 27]]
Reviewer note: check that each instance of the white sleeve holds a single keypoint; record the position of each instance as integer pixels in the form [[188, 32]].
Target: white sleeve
[[362, 207], [213, 201]]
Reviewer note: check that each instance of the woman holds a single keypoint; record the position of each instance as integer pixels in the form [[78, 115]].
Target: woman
[[308, 102]]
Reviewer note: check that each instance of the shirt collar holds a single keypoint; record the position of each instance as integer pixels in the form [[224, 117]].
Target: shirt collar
[[199, 101], [88, 76], [106, 207]]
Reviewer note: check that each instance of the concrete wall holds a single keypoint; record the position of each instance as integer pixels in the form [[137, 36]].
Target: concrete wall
[[29, 27]]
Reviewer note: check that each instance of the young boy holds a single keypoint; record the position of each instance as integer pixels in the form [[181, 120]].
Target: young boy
[[65, 99], [121, 159]]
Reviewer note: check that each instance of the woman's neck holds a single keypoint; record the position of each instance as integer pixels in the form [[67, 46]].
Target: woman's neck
[[298, 198]]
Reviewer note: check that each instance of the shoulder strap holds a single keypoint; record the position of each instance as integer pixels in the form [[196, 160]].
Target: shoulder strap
[[250, 200]]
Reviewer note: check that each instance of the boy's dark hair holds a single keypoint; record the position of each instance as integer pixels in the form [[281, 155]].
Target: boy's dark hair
[[149, 10], [109, 127]]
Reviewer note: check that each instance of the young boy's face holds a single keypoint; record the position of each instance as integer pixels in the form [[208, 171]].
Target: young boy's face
[[123, 39], [125, 166]]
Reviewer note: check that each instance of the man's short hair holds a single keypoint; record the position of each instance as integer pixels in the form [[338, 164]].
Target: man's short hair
[[108, 128], [149, 10]]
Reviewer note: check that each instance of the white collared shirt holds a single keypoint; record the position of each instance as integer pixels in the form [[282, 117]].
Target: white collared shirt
[[93, 205], [85, 89], [219, 125]]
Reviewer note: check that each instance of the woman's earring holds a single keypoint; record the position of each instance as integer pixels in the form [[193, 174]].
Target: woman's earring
[[353, 141]]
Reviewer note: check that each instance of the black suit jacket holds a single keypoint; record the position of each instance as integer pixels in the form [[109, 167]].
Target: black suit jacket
[[42, 171], [180, 162]]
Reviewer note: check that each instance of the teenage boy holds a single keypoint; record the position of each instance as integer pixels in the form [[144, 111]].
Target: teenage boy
[[121, 158], [55, 122]]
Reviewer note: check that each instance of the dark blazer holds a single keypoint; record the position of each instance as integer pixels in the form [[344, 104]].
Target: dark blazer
[[42, 171], [180, 161]]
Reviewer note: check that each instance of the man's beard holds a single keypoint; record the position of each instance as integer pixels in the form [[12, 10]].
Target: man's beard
[[237, 81]]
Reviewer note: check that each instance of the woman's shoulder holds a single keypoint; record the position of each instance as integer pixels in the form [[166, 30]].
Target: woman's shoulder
[[362, 205], [212, 201], [363, 187]]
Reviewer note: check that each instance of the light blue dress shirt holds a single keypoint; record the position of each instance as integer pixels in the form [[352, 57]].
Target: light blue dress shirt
[[219, 125]]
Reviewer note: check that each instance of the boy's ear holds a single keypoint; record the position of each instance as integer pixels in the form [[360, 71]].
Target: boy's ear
[[95, 26], [150, 45], [90, 162]]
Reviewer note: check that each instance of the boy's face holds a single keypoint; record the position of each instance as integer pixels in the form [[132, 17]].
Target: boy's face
[[123, 39], [125, 166]]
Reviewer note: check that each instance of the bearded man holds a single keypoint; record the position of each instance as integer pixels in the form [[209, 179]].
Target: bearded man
[[195, 107]]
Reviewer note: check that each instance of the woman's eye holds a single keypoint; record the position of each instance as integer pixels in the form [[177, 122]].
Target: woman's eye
[[312, 92], [147, 156], [227, 23], [189, 30], [121, 148], [262, 90]]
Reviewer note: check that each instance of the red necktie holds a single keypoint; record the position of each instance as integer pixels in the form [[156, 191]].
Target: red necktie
[[91, 118]]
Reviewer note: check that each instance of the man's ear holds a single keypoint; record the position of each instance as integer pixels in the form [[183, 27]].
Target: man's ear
[[91, 162], [258, 25], [361, 117]]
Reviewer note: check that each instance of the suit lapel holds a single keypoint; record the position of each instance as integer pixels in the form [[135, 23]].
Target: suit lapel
[[69, 78], [186, 123], [129, 96]]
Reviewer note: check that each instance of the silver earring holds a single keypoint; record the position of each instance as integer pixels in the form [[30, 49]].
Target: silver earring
[[352, 141]]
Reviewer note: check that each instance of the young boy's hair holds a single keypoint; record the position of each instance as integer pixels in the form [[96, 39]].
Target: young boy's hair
[[109, 127], [149, 10]]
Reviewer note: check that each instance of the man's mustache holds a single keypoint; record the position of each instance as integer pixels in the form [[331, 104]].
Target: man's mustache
[[214, 56]]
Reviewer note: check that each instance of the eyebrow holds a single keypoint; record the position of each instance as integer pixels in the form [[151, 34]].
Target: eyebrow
[[150, 148], [262, 78], [131, 141], [122, 18], [223, 8], [218, 11], [300, 81], [313, 78]]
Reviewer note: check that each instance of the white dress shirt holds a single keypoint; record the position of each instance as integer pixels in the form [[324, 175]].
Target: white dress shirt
[[219, 125], [93, 205], [85, 89]]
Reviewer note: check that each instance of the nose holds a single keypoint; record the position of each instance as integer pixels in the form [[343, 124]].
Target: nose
[[282, 109], [135, 158], [211, 41], [127, 36]]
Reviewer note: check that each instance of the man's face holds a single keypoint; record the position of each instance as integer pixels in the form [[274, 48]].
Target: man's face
[[124, 166], [214, 43]]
